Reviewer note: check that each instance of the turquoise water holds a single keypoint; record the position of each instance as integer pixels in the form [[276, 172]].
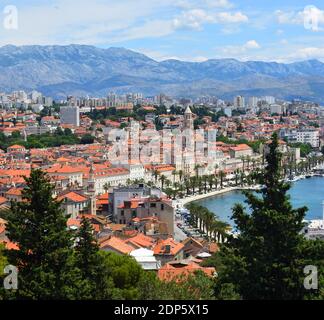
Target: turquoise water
[[306, 192]]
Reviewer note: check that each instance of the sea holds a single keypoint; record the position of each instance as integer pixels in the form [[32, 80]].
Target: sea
[[306, 192]]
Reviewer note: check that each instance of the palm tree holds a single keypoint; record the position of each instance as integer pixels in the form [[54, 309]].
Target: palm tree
[[248, 159], [162, 180], [197, 167], [242, 177], [222, 176], [188, 185], [243, 160], [208, 219], [216, 182], [253, 164], [210, 182], [156, 174], [236, 173], [216, 168], [174, 173], [180, 175], [205, 180]]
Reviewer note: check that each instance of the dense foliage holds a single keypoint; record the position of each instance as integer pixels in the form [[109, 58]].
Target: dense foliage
[[45, 140]]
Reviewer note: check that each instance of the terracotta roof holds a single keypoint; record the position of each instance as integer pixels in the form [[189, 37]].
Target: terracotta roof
[[142, 241], [161, 247], [73, 196], [241, 147], [14, 192], [3, 200], [117, 245], [16, 146], [171, 272], [11, 245]]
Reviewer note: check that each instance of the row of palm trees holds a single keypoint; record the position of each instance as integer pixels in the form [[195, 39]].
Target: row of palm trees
[[207, 223], [290, 165], [190, 185]]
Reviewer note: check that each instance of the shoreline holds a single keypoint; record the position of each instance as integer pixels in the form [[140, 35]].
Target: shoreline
[[198, 197]]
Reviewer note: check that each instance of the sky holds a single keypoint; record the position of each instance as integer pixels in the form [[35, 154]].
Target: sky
[[191, 30]]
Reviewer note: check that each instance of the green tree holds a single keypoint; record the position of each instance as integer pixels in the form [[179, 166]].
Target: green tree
[[124, 274], [95, 283], [3, 260], [44, 259], [265, 260], [197, 286], [87, 139]]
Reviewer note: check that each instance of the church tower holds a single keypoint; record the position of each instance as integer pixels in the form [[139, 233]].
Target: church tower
[[92, 191], [188, 119]]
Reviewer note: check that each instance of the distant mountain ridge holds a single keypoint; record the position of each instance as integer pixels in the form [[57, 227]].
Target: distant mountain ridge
[[87, 70]]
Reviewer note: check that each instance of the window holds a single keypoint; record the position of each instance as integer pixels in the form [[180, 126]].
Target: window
[[153, 205], [162, 206], [122, 213], [134, 214]]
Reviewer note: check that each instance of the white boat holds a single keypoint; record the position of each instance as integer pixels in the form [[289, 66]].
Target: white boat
[[315, 228]]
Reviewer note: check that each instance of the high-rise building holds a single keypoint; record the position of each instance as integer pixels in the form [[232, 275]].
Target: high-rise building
[[269, 99], [239, 102], [253, 102], [70, 115]]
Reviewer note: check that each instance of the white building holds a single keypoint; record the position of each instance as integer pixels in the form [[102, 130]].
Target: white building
[[304, 135], [253, 102], [228, 111], [70, 115], [239, 102], [269, 99], [277, 108], [146, 259]]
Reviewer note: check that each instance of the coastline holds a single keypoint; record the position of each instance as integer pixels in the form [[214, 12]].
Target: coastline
[[197, 197], [183, 202]]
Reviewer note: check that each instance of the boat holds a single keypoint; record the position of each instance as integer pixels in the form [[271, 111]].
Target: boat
[[314, 229]]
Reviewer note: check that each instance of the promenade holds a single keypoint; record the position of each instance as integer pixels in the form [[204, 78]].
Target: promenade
[[182, 202]]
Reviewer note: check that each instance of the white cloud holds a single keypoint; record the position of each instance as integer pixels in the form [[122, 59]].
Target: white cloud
[[78, 21], [196, 18], [193, 19], [239, 51], [191, 4], [102, 22], [228, 17], [225, 4], [307, 53], [311, 17], [252, 44], [150, 29]]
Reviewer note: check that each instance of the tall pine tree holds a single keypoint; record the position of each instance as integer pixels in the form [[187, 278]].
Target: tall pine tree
[[44, 259], [265, 260], [96, 283]]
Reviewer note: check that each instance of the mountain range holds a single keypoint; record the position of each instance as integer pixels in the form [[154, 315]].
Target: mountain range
[[83, 70]]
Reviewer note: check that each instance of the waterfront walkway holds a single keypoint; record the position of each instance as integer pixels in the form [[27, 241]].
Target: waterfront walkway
[[182, 202]]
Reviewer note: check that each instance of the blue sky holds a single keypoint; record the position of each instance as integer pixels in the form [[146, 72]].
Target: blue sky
[[193, 30]]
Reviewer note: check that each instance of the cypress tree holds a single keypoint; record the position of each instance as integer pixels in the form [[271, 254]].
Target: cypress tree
[[96, 283], [44, 259], [265, 260]]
